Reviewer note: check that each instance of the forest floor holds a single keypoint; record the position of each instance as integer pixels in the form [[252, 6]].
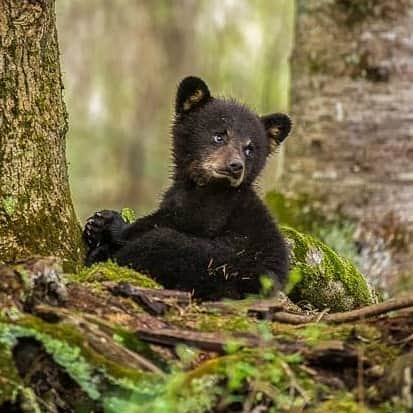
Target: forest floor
[[110, 340]]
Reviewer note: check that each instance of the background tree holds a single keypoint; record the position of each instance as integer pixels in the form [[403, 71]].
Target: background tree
[[353, 143], [36, 212]]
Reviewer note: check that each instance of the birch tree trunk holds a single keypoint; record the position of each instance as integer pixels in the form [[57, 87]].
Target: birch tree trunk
[[36, 211], [352, 103]]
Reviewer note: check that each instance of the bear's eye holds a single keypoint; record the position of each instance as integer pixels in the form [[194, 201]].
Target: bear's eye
[[249, 151], [218, 138]]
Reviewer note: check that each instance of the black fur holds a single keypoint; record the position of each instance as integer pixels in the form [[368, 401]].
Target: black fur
[[211, 234]]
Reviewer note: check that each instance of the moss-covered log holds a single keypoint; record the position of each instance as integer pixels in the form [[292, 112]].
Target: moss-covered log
[[36, 212]]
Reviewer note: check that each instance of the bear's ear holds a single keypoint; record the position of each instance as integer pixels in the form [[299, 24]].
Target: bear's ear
[[192, 92], [277, 126]]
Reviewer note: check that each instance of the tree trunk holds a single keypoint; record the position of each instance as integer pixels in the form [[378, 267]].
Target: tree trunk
[[352, 97], [36, 211]]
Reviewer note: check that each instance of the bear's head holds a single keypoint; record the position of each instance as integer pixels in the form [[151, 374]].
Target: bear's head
[[219, 141]]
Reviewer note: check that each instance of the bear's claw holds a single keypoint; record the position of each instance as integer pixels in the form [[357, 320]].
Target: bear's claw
[[101, 227]]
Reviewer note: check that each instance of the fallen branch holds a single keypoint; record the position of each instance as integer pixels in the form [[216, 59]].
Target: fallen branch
[[347, 316], [294, 383], [215, 342], [330, 355], [205, 341], [155, 301]]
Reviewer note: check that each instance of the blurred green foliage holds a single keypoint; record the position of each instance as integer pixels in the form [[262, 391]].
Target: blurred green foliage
[[301, 212]]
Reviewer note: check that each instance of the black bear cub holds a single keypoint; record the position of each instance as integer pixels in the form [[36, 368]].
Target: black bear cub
[[211, 235]]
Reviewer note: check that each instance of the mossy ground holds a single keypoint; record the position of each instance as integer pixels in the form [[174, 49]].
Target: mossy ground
[[109, 271], [10, 381], [195, 382], [83, 340]]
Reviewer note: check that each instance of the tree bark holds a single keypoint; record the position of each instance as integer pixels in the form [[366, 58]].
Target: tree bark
[[36, 211], [352, 96]]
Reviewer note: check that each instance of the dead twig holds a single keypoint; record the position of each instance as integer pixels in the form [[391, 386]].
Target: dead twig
[[404, 340], [294, 383], [347, 316], [155, 301], [360, 377], [205, 341], [215, 342]]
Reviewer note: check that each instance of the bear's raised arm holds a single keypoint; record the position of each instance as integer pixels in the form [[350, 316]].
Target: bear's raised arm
[[106, 232]]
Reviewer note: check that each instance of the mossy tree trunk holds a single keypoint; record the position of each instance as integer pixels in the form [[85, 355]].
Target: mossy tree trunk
[[36, 211], [352, 94]]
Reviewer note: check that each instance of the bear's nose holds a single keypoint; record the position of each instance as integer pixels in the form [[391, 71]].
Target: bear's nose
[[236, 167]]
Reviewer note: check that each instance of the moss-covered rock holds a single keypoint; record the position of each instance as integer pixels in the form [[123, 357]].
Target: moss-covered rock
[[321, 277], [322, 271]]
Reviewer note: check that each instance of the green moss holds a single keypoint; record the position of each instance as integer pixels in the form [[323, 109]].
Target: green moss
[[130, 341], [128, 214], [72, 350], [10, 382], [28, 402], [174, 394], [209, 320], [322, 273], [224, 380], [343, 403], [97, 375], [9, 205], [347, 403], [216, 322], [318, 333], [66, 355], [268, 371], [314, 334], [322, 277], [109, 271], [379, 352]]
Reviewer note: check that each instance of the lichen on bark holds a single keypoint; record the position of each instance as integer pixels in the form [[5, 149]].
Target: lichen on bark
[[36, 211], [352, 71]]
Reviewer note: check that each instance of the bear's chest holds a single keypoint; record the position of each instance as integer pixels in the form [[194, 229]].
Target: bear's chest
[[201, 214]]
